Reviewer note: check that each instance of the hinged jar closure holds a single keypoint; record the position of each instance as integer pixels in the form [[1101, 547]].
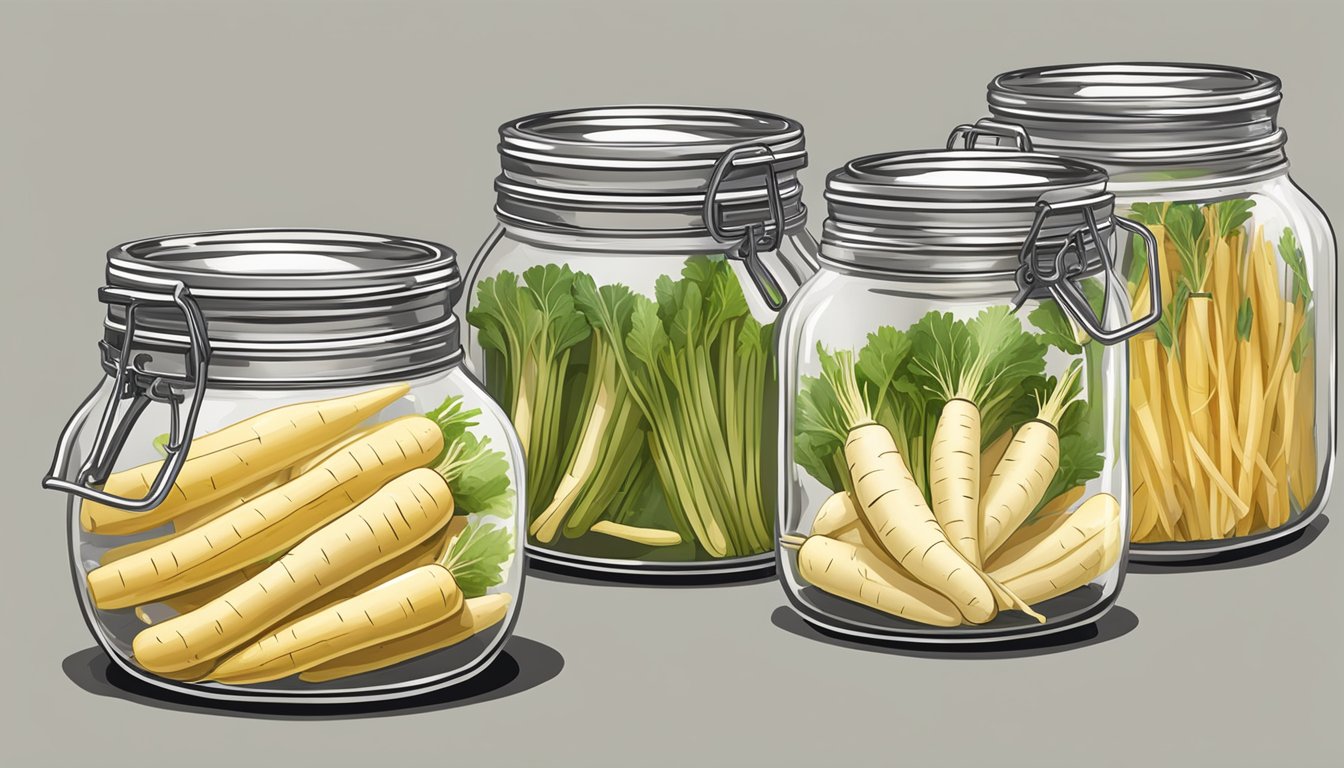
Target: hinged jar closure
[[291, 308], [1045, 221], [254, 310], [1136, 116]]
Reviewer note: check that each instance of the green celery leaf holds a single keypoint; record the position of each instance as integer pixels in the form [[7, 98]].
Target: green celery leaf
[[477, 556]]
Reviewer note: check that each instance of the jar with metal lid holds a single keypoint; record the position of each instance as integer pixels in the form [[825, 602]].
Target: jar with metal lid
[[621, 312], [284, 435], [1233, 393], [953, 443]]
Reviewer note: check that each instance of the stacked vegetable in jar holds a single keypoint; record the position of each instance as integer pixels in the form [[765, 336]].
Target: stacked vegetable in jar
[[622, 313], [1232, 397]]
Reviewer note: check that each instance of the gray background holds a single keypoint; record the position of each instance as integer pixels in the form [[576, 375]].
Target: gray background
[[126, 119]]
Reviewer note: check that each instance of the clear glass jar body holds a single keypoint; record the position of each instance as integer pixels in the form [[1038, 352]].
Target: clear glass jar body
[[838, 310], [1269, 385], [116, 629], [743, 512]]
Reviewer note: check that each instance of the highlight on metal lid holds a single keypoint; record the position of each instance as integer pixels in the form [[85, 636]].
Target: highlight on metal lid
[[650, 168], [290, 307]]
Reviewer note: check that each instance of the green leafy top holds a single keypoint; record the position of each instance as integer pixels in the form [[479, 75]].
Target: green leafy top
[[477, 475], [536, 317], [476, 557], [902, 377]]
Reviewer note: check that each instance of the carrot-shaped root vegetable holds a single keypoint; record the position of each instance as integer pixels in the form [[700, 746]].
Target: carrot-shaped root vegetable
[[271, 523], [229, 459], [1072, 555], [854, 573], [1023, 539], [1026, 469], [891, 506], [990, 457], [422, 554], [836, 516], [403, 513], [197, 517], [954, 456], [408, 603], [477, 615]]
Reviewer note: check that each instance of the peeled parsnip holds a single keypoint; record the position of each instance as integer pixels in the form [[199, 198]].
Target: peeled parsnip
[[836, 515], [1070, 555], [477, 615], [1025, 471], [231, 458], [854, 573]]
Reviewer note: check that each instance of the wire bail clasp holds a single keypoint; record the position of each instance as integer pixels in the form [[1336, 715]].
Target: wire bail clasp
[[969, 134], [135, 383], [1070, 263], [749, 239]]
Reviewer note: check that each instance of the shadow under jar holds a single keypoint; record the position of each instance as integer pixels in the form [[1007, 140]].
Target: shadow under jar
[[284, 431], [1233, 394], [621, 313], [952, 453]]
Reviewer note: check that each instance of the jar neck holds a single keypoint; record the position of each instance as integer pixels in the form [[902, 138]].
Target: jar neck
[[1196, 178], [671, 240]]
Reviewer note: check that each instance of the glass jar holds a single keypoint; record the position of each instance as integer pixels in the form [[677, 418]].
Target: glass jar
[[952, 453], [621, 313], [268, 398], [1237, 368]]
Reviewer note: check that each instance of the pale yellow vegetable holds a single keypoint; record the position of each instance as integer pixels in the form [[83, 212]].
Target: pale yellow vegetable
[[1095, 517], [1084, 563], [403, 513], [892, 508], [408, 603], [225, 461], [271, 523], [954, 476], [197, 518], [477, 615], [652, 537], [1026, 469], [1023, 539], [836, 515], [990, 457], [858, 574]]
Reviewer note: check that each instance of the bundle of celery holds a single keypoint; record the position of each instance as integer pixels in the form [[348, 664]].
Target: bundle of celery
[[1222, 392], [640, 418]]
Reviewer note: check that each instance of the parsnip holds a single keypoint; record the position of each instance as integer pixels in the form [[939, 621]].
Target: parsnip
[[272, 522], [222, 462], [399, 516], [477, 615], [858, 574]]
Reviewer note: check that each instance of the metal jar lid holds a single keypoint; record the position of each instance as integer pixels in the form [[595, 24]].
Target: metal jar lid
[[285, 308], [957, 211], [1137, 114], [642, 168], [1046, 221]]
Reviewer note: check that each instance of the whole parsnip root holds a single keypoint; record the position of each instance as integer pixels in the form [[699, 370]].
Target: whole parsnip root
[[477, 615], [892, 508], [836, 515], [272, 522], [408, 603], [222, 462], [403, 513], [197, 517], [854, 573], [1025, 471], [1071, 556]]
